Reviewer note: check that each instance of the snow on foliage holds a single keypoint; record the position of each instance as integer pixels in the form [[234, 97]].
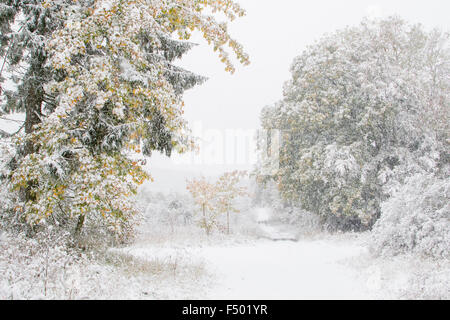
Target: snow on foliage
[[104, 87], [217, 199], [44, 267], [416, 218], [366, 107]]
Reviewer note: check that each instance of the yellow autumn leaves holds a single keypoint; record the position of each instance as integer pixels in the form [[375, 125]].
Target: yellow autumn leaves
[[215, 199], [110, 95]]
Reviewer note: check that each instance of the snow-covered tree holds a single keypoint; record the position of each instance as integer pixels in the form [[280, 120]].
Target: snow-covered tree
[[113, 92], [204, 194], [26, 26], [361, 101], [228, 190], [217, 198]]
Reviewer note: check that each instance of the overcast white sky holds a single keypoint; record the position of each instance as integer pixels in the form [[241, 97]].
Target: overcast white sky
[[273, 33]]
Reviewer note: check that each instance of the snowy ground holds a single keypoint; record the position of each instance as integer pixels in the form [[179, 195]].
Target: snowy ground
[[280, 265], [285, 270], [275, 267], [274, 270]]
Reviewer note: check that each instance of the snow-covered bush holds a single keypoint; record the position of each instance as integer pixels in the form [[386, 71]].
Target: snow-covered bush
[[42, 268], [35, 267], [416, 218], [164, 216], [168, 209], [174, 217]]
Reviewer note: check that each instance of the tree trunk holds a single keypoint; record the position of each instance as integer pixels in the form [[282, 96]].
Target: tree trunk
[[228, 221], [204, 219], [79, 225], [33, 114]]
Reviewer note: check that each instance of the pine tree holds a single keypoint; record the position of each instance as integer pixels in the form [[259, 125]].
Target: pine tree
[[24, 52]]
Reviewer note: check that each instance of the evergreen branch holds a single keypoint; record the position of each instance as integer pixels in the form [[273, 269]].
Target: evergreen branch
[[7, 52]]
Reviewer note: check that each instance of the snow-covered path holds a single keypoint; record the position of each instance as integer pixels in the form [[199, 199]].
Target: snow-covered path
[[285, 270], [307, 269], [277, 266]]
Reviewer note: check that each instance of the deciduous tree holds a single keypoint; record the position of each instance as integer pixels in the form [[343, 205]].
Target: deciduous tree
[[359, 109], [228, 190]]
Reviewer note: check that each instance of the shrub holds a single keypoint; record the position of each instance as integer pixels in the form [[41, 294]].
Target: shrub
[[415, 219]]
